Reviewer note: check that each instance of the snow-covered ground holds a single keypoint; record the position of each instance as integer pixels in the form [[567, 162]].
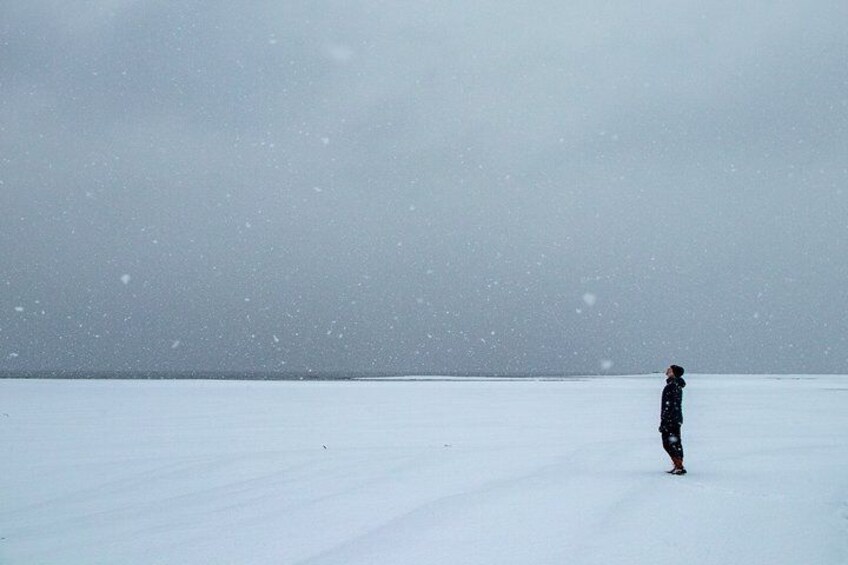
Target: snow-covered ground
[[429, 472]]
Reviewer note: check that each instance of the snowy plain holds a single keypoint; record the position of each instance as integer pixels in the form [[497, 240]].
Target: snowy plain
[[422, 472]]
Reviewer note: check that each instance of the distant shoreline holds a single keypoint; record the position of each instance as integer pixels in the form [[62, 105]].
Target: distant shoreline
[[276, 376], [347, 376]]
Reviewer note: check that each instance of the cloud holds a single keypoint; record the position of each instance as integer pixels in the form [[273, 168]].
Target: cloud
[[340, 162]]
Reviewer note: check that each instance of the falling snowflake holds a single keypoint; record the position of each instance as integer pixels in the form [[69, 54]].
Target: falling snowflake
[[339, 53]]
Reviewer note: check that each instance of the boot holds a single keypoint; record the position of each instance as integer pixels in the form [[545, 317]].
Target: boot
[[679, 469]]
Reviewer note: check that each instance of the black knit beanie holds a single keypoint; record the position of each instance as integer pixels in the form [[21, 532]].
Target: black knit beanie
[[677, 370]]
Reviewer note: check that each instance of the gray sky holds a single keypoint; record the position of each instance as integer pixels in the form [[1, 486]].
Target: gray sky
[[424, 186]]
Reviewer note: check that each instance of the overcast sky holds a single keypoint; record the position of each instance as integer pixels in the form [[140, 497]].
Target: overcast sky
[[561, 187]]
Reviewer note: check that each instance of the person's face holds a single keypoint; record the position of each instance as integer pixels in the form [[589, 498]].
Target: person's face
[[669, 373]]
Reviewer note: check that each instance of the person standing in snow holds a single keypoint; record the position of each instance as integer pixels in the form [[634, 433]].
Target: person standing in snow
[[671, 417]]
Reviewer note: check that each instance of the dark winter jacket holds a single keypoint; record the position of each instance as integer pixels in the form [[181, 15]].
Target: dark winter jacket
[[671, 407]]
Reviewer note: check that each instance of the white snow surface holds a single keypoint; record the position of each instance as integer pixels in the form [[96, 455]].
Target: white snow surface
[[422, 472]]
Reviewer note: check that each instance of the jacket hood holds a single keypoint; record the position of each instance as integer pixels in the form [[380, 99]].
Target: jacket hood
[[679, 380]]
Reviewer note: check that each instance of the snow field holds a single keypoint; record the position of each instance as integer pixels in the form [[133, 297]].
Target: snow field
[[415, 472]]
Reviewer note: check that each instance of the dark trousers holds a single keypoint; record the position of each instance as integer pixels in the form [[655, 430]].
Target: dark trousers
[[673, 442]]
